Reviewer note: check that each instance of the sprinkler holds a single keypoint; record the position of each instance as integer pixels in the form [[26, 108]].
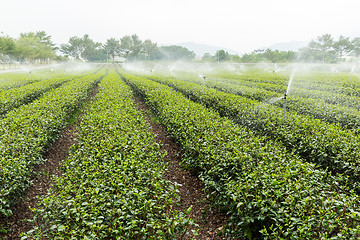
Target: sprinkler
[[203, 83], [284, 106]]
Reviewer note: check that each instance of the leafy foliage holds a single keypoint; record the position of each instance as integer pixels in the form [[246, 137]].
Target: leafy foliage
[[16, 97], [267, 191], [112, 186], [28, 130], [325, 144]]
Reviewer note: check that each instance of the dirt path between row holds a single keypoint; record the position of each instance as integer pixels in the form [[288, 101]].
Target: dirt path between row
[[42, 181], [191, 193]]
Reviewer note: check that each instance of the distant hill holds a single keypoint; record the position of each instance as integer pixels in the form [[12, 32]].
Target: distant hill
[[201, 49], [287, 46]]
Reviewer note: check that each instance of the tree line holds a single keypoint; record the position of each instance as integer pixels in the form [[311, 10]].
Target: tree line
[[29, 47], [38, 47], [129, 47], [255, 56], [327, 50], [324, 49]]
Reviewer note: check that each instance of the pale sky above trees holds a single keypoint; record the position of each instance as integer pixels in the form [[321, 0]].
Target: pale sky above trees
[[239, 25]]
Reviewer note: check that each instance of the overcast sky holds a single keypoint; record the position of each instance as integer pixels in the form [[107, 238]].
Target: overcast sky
[[234, 24]]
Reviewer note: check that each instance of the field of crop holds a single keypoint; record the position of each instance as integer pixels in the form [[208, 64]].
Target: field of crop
[[277, 151]]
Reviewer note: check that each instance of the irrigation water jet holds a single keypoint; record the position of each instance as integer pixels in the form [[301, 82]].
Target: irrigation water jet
[[287, 92], [352, 71], [274, 100], [290, 81]]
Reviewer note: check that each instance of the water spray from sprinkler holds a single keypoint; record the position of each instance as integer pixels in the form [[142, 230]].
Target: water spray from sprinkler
[[352, 71], [287, 92]]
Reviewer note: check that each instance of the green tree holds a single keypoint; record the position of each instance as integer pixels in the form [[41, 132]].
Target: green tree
[[80, 48], [319, 50], [235, 58], [148, 48], [27, 48], [112, 47], [99, 55], [221, 55], [126, 45], [45, 39], [72, 48], [7, 48], [343, 46], [271, 55], [324, 44], [35, 46], [7, 45], [207, 57], [136, 46], [356, 46]]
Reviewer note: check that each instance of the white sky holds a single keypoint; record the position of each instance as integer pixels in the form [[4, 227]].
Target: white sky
[[236, 24]]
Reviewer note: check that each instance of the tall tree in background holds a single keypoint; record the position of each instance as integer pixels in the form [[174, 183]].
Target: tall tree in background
[[112, 47], [136, 45], [148, 48], [80, 48], [72, 48], [7, 45], [35, 46], [45, 39], [324, 44], [342, 46], [221, 55], [27, 47], [271, 55], [7, 48], [126, 45], [131, 46], [320, 49], [356, 46]]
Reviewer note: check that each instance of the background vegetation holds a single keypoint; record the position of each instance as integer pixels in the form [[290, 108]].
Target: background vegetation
[[38, 47]]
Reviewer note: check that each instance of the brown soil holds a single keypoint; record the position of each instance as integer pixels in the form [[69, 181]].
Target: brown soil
[[210, 222], [42, 181]]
